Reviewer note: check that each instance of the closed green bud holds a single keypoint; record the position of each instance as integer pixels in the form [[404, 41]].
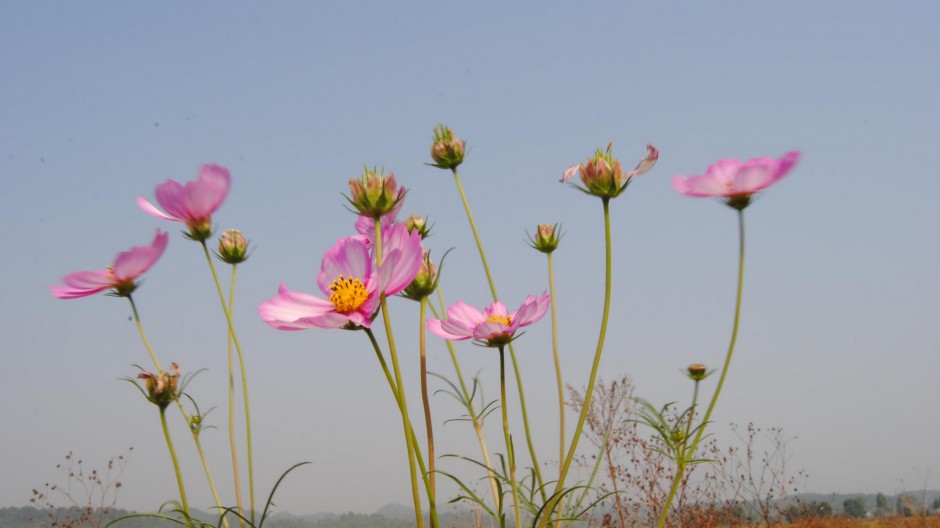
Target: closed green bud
[[447, 151], [233, 248]]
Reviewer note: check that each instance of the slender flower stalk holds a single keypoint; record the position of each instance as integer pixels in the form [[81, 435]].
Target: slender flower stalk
[[558, 377], [429, 426], [589, 392], [680, 469], [510, 452], [143, 335], [512, 352], [546, 240], [413, 439], [238, 348], [402, 402], [176, 464], [231, 404]]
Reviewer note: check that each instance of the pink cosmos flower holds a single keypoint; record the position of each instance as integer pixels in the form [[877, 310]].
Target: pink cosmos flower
[[494, 327], [120, 276], [194, 202], [350, 282], [735, 181]]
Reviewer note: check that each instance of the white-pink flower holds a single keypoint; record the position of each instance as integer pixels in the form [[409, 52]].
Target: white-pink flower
[[121, 276], [350, 282], [736, 181], [194, 202], [494, 327]]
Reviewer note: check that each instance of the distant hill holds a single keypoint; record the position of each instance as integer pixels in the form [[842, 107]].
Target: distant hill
[[400, 516]]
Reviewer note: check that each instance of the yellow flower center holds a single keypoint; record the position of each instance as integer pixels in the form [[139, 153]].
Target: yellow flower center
[[499, 319], [349, 293]]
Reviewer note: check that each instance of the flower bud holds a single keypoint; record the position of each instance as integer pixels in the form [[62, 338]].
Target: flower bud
[[547, 237], [447, 151], [161, 388], [697, 372], [603, 176], [375, 194], [233, 248], [424, 283], [420, 223]]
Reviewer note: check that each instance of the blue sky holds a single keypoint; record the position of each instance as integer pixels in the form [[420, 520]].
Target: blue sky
[[839, 344]]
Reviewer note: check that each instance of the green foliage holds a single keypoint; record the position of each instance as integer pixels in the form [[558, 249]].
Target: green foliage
[[804, 511], [906, 505], [854, 508]]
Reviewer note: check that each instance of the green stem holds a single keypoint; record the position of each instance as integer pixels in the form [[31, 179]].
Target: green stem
[[589, 392], [561, 386], [422, 345], [414, 439], [402, 403], [471, 411], [176, 464], [205, 468], [143, 335], [238, 348], [231, 406], [509, 449], [724, 371], [512, 351], [202, 456]]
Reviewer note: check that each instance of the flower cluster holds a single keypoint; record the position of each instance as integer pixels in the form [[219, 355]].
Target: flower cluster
[[385, 257]]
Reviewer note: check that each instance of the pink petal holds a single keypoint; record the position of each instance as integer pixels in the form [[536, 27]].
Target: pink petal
[[83, 284], [172, 197], [206, 193], [533, 309], [134, 262], [569, 173], [497, 309], [754, 177], [787, 162], [349, 257], [645, 164], [464, 314], [438, 328], [403, 259], [298, 311], [491, 330], [150, 209]]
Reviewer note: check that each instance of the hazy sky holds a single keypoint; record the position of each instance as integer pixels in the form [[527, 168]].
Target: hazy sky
[[840, 344]]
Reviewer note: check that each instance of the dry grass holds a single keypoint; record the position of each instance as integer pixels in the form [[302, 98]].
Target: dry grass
[[883, 522]]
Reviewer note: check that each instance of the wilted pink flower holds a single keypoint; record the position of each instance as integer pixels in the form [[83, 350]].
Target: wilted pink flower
[[120, 276], [735, 181], [193, 203], [494, 327], [603, 175], [350, 282], [163, 387]]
